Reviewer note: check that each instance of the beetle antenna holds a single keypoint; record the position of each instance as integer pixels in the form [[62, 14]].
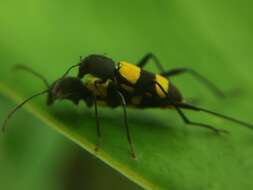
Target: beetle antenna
[[69, 69], [19, 106], [73, 66], [195, 108], [25, 68]]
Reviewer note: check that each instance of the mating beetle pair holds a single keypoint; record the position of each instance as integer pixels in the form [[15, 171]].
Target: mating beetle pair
[[125, 84]]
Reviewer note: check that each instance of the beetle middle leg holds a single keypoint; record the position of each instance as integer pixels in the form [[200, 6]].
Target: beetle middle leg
[[97, 125], [122, 100], [123, 103], [187, 121]]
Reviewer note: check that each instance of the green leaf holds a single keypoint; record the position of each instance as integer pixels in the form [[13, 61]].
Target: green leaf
[[212, 37]]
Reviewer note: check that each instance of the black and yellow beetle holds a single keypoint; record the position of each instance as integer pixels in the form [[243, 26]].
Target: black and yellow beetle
[[132, 81], [123, 91]]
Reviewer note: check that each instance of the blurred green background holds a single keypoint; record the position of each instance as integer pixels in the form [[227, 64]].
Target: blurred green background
[[212, 37], [35, 157]]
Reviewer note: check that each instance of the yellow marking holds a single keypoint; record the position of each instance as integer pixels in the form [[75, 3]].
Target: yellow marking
[[129, 71], [136, 100], [100, 89], [127, 88], [164, 83], [101, 103]]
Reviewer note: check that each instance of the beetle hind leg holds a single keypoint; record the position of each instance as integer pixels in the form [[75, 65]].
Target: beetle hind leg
[[187, 121]]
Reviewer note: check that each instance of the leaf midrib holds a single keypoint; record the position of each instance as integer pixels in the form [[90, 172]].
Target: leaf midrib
[[82, 142]]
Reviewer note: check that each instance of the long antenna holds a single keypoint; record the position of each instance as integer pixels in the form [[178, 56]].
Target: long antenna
[[191, 107], [19, 106], [69, 69], [25, 68]]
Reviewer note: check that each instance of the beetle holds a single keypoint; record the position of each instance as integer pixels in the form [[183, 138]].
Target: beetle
[[75, 90], [133, 80], [173, 100], [155, 89], [136, 81]]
